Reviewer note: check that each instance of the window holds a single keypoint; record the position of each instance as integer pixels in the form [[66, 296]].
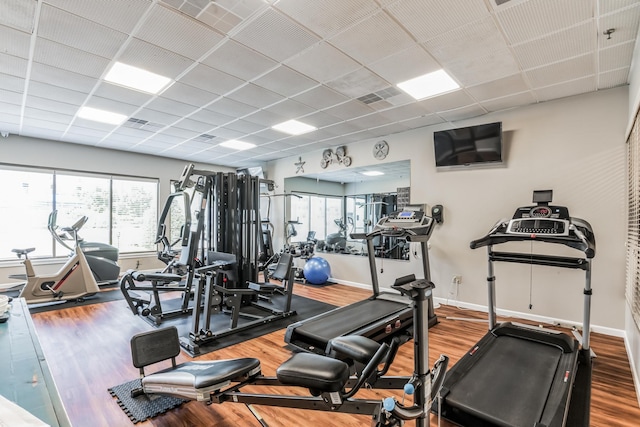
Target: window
[[322, 214], [633, 230], [121, 211]]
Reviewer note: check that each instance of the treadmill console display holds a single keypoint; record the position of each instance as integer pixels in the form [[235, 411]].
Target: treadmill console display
[[540, 220], [404, 222]]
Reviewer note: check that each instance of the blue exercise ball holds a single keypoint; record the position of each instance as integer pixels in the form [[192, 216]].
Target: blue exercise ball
[[316, 270]]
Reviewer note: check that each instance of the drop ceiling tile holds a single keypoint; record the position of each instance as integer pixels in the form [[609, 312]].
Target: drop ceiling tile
[[321, 119], [219, 18], [498, 88], [255, 96], [14, 42], [13, 65], [212, 80], [42, 129], [19, 15], [156, 116], [493, 66], [613, 78], [575, 87], [211, 117], [290, 109], [237, 60], [618, 56], [90, 124], [13, 98], [426, 19], [607, 6], [110, 13], [320, 97], [170, 106], [244, 126], [57, 77], [358, 83], [323, 62], [122, 94], [448, 101], [153, 58], [81, 139], [415, 62], [11, 83], [328, 17], [404, 112], [50, 105], [226, 133], [76, 131], [56, 93], [230, 107], [477, 39], [625, 23], [189, 95], [36, 121], [275, 35], [285, 81], [63, 27], [558, 72], [193, 125], [266, 118], [68, 58], [509, 101], [172, 133], [10, 123], [369, 121], [372, 39], [463, 113], [559, 46], [177, 33], [111, 105], [528, 21], [427, 120], [349, 110]]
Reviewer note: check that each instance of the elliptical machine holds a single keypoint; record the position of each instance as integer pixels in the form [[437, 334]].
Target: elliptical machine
[[101, 257], [72, 282]]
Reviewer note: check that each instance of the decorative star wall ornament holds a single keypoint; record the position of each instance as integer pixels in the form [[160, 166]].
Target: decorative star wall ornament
[[300, 165]]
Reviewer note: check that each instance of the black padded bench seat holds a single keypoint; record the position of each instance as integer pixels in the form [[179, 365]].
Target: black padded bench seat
[[315, 372], [164, 278], [197, 380]]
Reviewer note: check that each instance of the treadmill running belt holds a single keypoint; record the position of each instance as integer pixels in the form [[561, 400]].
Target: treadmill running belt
[[348, 319], [506, 385]]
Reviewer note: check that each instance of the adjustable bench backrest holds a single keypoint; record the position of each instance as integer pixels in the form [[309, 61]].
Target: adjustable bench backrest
[[155, 346]]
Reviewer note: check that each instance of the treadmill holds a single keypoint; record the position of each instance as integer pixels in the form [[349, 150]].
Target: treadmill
[[519, 375], [383, 316]]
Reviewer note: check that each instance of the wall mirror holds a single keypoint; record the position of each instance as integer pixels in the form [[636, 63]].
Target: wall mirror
[[324, 209]]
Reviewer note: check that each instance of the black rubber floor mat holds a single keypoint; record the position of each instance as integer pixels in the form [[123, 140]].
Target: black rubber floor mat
[[142, 407]]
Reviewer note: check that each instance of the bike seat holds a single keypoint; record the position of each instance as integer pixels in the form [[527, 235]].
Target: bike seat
[[21, 252]]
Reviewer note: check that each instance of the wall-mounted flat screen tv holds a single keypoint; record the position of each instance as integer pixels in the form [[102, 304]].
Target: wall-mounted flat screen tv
[[473, 145]]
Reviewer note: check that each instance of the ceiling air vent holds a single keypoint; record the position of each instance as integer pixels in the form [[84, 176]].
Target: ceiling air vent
[[205, 137], [142, 125], [379, 95]]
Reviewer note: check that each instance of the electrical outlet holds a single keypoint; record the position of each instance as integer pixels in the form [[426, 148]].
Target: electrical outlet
[[457, 280]]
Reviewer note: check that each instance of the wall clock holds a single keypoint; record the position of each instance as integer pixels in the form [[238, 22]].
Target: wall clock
[[380, 150]]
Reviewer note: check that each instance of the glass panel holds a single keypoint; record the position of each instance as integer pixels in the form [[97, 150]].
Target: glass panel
[[77, 196], [24, 208], [135, 213], [299, 223]]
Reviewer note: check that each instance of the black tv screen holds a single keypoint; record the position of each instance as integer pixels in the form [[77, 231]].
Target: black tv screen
[[473, 145]]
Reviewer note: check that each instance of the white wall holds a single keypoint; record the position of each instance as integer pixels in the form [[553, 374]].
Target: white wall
[[23, 151], [575, 146]]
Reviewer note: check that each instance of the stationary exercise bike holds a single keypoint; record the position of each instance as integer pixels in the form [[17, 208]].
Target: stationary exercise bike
[[102, 257], [72, 282], [332, 380]]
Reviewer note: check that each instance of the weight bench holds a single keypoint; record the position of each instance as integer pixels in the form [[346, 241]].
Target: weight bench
[[212, 381]]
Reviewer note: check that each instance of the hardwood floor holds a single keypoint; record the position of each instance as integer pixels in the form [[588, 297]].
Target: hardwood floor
[[87, 349]]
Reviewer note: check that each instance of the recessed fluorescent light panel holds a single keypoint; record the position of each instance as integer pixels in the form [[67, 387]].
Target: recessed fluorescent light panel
[[237, 145], [137, 78], [294, 127], [372, 173], [428, 85], [101, 116]]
